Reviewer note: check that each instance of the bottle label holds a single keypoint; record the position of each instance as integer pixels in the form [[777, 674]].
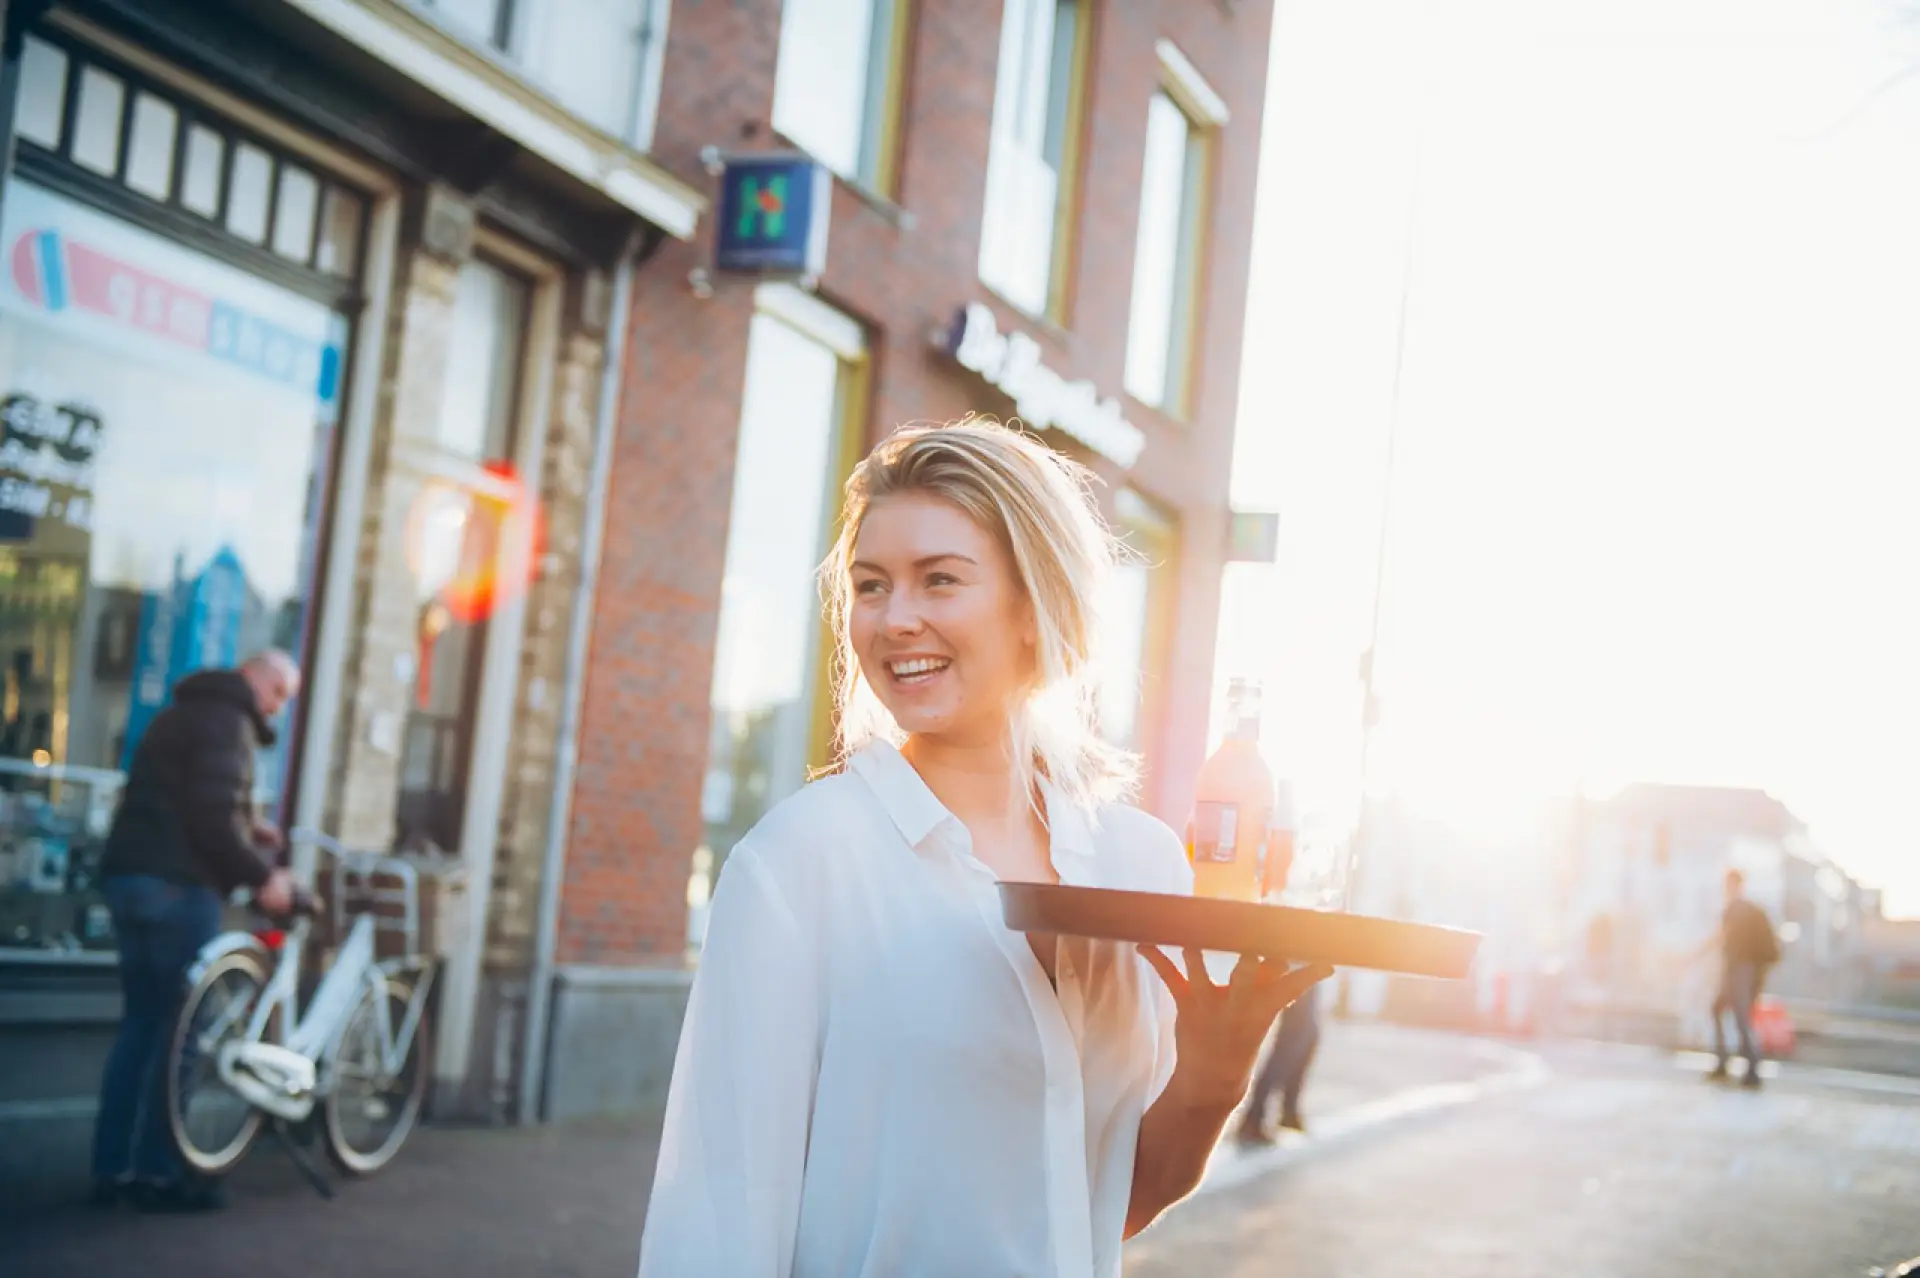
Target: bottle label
[[1216, 831]]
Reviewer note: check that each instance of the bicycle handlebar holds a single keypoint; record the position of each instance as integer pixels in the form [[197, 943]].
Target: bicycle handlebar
[[305, 906]]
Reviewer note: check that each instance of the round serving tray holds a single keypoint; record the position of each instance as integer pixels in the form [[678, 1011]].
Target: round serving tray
[[1240, 927]]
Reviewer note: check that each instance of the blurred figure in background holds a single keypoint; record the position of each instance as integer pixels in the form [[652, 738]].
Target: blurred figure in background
[[1298, 1035], [184, 837], [1284, 1071], [1747, 948]]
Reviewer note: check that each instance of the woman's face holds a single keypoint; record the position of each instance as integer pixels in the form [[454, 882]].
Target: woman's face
[[942, 629]]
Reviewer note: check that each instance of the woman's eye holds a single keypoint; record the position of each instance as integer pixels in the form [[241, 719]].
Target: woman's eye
[[871, 586], [942, 579]]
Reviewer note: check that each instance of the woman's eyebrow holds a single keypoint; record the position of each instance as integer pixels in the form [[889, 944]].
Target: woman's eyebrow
[[925, 561]]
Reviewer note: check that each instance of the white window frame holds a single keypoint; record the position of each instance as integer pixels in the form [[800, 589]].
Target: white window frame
[[876, 162], [522, 15], [1019, 174], [1206, 115]]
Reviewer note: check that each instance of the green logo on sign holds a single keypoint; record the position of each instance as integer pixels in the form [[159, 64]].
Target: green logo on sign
[[762, 207]]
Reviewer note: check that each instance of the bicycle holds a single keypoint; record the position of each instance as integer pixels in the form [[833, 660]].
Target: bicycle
[[244, 1052]]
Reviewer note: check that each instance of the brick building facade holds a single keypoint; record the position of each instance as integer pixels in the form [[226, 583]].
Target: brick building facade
[[904, 255], [453, 213], [328, 288]]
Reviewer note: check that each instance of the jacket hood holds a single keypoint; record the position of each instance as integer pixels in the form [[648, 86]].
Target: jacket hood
[[228, 687]]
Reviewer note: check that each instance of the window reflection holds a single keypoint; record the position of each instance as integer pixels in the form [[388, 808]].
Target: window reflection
[[767, 661], [1158, 333], [457, 534], [165, 421], [833, 83], [1134, 620]]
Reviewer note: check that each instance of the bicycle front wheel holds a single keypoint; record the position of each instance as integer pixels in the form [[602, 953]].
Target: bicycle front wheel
[[370, 1110], [213, 1126]]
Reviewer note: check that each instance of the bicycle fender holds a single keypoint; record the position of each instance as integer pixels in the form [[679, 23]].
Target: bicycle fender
[[224, 944]]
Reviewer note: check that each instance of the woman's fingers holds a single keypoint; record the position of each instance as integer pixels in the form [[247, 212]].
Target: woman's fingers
[[1197, 969], [1169, 974], [1287, 990]]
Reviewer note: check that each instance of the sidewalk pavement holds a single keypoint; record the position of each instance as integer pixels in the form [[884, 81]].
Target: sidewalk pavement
[[561, 1202]]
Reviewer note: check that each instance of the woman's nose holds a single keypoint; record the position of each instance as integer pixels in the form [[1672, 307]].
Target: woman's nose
[[902, 615]]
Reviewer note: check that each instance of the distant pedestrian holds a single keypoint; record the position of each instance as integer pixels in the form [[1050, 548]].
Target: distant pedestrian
[[184, 836], [1748, 948], [1284, 1070]]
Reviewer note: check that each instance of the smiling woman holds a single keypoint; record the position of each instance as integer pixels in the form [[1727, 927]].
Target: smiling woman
[[874, 1069]]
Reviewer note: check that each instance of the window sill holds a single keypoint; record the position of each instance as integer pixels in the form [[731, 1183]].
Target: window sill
[[870, 196]]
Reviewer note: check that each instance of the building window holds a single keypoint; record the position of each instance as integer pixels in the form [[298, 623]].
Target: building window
[[1135, 619], [836, 91], [799, 418], [73, 113], [460, 530], [1183, 117], [1028, 219], [165, 428], [600, 59]]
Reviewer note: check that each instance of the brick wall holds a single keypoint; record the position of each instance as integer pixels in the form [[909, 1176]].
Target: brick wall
[[636, 809]]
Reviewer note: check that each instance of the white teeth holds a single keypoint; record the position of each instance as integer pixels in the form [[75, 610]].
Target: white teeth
[[925, 665]]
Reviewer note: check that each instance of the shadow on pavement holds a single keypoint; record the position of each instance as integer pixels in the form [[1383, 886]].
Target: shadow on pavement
[[471, 1203]]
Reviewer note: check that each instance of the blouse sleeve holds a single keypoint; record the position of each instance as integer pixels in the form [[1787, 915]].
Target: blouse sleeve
[[726, 1191], [1177, 879]]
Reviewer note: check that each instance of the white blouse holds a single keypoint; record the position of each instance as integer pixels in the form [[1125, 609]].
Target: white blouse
[[875, 1077]]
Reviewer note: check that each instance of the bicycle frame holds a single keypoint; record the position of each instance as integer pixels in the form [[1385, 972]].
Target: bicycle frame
[[290, 1071]]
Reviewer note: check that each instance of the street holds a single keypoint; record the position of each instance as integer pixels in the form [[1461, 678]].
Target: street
[[1608, 1169], [1445, 1155]]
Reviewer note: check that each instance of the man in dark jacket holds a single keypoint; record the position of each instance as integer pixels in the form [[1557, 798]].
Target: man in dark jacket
[[1747, 949], [184, 838]]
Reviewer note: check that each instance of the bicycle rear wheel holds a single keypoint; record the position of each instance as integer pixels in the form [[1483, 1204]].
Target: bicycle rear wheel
[[212, 1125], [369, 1112]]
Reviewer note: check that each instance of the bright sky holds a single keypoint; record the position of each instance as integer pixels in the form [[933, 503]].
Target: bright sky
[[1655, 510]]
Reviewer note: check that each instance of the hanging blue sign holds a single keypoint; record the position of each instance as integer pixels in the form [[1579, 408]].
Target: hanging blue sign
[[774, 213]]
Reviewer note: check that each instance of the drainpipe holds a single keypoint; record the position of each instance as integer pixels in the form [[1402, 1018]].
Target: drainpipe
[[533, 1055]]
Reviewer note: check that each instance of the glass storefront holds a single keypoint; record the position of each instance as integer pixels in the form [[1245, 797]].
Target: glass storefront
[[167, 419], [460, 525]]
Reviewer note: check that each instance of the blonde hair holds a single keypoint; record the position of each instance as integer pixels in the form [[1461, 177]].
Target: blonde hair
[[1039, 505]]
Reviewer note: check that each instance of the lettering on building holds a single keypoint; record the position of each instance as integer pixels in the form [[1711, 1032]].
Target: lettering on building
[[1042, 398]]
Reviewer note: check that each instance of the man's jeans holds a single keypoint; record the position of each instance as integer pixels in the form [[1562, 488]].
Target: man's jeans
[[1285, 1068], [160, 926], [1739, 986]]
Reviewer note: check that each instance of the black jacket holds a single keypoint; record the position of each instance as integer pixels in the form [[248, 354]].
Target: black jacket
[[186, 813]]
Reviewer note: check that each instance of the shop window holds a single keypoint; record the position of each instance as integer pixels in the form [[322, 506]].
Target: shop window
[[165, 427], [150, 150], [1030, 169], [1183, 116], [96, 126], [43, 93], [799, 416], [600, 59], [1134, 619], [205, 162], [837, 87], [249, 193], [460, 528], [296, 211], [166, 153]]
